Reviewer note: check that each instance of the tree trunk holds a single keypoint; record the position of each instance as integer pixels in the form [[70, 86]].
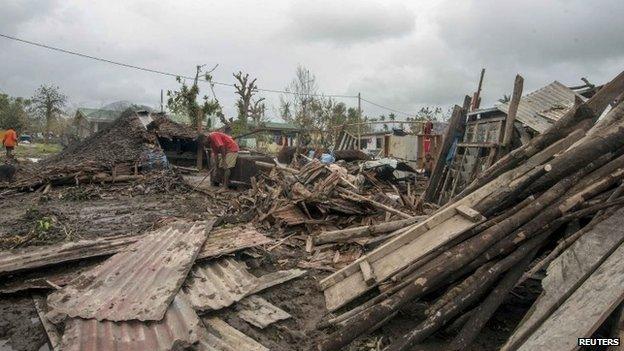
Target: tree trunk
[[345, 235], [441, 267], [486, 309]]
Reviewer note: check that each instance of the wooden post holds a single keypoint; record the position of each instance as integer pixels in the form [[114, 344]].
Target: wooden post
[[455, 125], [359, 129], [476, 100], [513, 110]]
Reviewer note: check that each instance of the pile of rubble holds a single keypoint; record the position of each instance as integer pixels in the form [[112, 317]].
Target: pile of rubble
[[122, 152], [462, 262], [320, 194], [159, 291]]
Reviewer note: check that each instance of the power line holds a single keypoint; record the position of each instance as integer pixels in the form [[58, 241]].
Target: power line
[[126, 65], [388, 108], [164, 73]]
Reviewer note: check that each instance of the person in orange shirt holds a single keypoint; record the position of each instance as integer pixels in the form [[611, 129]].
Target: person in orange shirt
[[10, 142]]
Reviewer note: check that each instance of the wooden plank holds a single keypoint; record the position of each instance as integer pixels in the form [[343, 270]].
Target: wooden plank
[[54, 337], [367, 273], [585, 310], [568, 271], [469, 213], [484, 145], [415, 231], [455, 126], [347, 289], [223, 337], [513, 109]]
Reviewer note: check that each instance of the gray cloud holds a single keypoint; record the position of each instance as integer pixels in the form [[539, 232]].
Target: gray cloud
[[402, 54], [19, 12], [348, 22]]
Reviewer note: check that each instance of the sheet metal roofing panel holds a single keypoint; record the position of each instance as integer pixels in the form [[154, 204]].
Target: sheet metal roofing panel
[[553, 100], [260, 312], [42, 256], [138, 283], [223, 337], [225, 241], [217, 284], [220, 283], [179, 328]]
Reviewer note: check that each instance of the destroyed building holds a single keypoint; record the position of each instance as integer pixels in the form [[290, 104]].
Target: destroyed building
[[525, 254]]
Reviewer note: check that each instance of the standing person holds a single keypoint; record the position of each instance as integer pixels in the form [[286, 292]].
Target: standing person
[[224, 152], [9, 141], [428, 165]]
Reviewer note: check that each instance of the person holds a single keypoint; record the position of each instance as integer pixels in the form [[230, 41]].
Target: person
[[9, 141], [428, 165], [224, 152]]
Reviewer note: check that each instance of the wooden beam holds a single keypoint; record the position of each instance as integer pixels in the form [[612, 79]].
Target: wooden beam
[[456, 126], [513, 110], [584, 311]]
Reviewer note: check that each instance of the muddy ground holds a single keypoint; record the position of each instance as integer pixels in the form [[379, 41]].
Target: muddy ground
[[90, 211]]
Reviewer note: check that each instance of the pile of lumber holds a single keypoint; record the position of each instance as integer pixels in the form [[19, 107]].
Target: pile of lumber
[[316, 193], [464, 260]]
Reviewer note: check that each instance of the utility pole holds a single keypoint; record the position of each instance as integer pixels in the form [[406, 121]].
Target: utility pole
[[161, 101], [359, 134]]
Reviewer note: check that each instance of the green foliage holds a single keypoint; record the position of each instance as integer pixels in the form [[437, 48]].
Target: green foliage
[[13, 113], [185, 101]]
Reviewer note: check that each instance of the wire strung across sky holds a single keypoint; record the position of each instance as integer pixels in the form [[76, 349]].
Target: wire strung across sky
[[75, 53]]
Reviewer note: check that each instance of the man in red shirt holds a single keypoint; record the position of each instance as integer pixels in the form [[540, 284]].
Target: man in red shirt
[[224, 152], [9, 141]]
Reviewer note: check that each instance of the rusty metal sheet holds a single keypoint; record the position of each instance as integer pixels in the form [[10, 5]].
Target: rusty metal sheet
[[225, 241], [138, 283], [180, 328], [223, 337], [260, 312], [36, 257], [217, 284]]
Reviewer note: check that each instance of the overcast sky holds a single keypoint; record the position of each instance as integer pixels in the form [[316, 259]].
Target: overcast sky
[[402, 54]]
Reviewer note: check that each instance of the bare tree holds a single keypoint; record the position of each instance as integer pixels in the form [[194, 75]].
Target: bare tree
[[245, 89], [48, 103], [303, 95]]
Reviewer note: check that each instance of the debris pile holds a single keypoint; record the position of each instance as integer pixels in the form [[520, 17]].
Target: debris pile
[[558, 195], [171, 282], [318, 193], [119, 153]]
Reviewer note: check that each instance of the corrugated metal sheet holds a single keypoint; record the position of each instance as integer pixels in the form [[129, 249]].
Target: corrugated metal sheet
[[225, 241], [138, 283], [217, 284], [179, 328], [42, 256], [222, 337], [260, 312], [540, 108]]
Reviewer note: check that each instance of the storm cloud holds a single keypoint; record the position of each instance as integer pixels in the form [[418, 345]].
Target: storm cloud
[[402, 54]]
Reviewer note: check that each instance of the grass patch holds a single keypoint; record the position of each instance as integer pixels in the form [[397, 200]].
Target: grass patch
[[37, 150]]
